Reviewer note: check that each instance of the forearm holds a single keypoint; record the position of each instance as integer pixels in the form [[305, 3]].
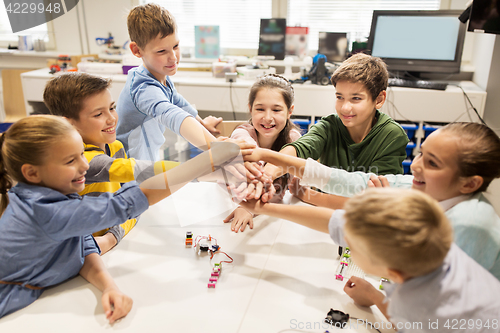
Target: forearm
[[319, 199], [316, 218], [277, 171], [288, 163], [378, 300], [94, 271], [194, 132]]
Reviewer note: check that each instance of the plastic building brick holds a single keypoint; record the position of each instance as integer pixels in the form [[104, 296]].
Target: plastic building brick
[[211, 285], [189, 238], [213, 279]]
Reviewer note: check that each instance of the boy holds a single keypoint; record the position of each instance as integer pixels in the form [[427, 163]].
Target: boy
[[149, 103], [404, 235], [358, 137], [86, 102]]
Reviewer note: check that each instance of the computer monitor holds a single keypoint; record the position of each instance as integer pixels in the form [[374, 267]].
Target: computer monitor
[[418, 41]]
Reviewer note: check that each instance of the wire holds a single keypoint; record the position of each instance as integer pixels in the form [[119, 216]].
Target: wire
[[366, 321], [231, 98], [468, 99]]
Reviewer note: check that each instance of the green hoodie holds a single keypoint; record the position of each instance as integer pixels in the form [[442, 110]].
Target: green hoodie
[[381, 152]]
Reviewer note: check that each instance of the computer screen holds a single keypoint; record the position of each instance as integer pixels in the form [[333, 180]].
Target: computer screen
[[418, 41], [485, 16]]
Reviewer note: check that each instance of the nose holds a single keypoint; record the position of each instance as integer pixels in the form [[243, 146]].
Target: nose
[[83, 165], [172, 56], [268, 115], [416, 164], [111, 119], [346, 106]]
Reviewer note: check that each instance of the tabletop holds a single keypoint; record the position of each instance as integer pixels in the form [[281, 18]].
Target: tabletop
[[282, 278]]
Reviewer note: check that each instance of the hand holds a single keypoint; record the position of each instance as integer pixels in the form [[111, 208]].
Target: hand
[[240, 218], [254, 206], [298, 191], [361, 291], [378, 181], [258, 154], [106, 242], [116, 304], [210, 123]]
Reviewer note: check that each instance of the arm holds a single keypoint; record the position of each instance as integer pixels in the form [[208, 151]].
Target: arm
[[240, 217], [116, 305], [195, 133], [315, 198], [316, 218], [210, 123]]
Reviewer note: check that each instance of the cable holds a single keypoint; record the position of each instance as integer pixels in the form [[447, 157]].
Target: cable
[[231, 98], [468, 99]]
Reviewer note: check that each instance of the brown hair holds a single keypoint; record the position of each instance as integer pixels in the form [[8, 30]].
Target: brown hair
[[146, 22], [478, 151], [275, 81], [405, 230], [370, 71], [64, 95], [27, 141]]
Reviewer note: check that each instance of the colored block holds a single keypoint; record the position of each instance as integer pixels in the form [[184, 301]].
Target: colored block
[[211, 285]]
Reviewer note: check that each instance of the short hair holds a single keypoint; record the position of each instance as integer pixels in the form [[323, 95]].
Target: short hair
[[28, 141], [370, 71], [405, 230], [64, 95], [146, 22], [478, 151]]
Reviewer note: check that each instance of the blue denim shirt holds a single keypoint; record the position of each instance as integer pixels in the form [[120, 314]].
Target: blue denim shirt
[[45, 236]]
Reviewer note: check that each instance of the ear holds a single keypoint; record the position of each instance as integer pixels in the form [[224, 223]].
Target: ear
[[290, 111], [380, 100], [471, 184], [135, 49], [31, 173], [396, 276]]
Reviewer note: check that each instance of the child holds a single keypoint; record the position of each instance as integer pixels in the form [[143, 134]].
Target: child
[[271, 104], [455, 166], [358, 137], [45, 231], [85, 100], [149, 103], [403, 235]]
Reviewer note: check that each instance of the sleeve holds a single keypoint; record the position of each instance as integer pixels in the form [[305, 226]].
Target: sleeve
[[336, 227], [152, 101], [180, 101], [90, 246], [241, 133], [120, 231], [389, 159], [103, 168], [63, 219], [340, 182], [313, 142]]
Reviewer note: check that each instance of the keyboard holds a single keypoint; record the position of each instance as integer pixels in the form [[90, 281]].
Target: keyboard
[[393, 82]]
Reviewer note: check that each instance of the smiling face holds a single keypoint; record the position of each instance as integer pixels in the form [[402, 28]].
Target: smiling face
[[97, 120], [356, 108], [65, 166], [269, 115], [435, 169], [160, 56]]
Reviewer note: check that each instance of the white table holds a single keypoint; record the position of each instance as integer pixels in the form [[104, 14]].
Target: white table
[[282, 278]]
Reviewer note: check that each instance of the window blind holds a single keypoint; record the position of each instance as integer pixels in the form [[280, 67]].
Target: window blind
[[351, 16], [238, 20], [6, 31]]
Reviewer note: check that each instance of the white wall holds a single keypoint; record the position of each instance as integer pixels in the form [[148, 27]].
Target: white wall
[[76, 31]]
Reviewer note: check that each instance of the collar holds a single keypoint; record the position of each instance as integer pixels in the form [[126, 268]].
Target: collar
[[449, 203]]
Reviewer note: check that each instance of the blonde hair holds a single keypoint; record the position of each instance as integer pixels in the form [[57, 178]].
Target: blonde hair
[[149, 21], [478, 152], [368, 70], [27, 141], [405, 230]]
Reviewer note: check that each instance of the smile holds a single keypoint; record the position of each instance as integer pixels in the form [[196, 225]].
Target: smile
[[268, 126], [110, 130], [417, 181], [80, 180]]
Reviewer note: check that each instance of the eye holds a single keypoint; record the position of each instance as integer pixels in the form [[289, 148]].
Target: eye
[[70, 161], [356, 98], [432, 163], [277, 110], [339, 97], [259, 109], [113, 107], [98, 115], [161, 51], [176, 46]]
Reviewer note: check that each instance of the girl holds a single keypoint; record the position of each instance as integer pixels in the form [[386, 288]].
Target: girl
[[455, 166], [271, 104], [45, 230]]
